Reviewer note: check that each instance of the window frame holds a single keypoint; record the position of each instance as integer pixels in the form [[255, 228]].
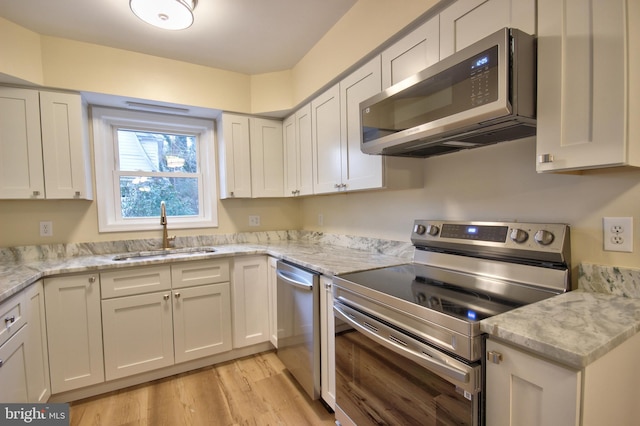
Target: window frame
[[106, 121]]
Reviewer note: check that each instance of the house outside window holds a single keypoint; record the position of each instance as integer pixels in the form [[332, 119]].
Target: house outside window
[[144, 158]]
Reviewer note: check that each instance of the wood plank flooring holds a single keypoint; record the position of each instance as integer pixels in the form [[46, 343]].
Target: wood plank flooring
[[255, 390]]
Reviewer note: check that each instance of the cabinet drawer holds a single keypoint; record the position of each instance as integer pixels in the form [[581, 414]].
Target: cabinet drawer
[[12, 316], [199, 273], [135, 281]]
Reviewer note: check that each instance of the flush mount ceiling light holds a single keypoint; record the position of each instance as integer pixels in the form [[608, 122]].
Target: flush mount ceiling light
[[166, 14]]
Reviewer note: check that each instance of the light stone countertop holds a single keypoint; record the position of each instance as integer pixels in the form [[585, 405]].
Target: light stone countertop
[[328, 255], [575, 328]]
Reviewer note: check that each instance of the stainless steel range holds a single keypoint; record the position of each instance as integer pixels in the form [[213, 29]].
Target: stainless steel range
[[409, 349]]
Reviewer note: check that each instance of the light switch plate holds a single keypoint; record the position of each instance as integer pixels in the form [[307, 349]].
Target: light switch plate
[[254, 220]]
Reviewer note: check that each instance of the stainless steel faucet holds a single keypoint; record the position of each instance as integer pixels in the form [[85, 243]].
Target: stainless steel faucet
[[166, 240]]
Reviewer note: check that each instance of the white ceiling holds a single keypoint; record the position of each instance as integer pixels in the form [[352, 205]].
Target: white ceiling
[[245, 36]]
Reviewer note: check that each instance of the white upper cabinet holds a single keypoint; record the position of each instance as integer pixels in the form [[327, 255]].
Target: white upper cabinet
[[267, 172], [44, 146], [251, 157], [467, 21], [411, 54], [359, 170], [235, 156], [298, 153], [588, 64], [325, 124]]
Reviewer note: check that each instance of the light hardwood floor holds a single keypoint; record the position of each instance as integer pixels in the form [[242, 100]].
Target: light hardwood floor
[[255, 390]]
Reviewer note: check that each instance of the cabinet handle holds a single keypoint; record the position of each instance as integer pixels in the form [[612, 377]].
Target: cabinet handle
[[166, 297], [337, 185], [77, 194], [545, 158], [36, 193], [1, 363], [92, 279], [494, 357], [10, 320], [177, 295], [327, 286]]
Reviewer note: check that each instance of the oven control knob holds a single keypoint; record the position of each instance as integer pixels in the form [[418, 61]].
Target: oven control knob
[[543, 237], [432, 230], [419, 229], [518, 235]]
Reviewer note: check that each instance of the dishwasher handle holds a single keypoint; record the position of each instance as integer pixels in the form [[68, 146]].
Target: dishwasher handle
[[289, 278]]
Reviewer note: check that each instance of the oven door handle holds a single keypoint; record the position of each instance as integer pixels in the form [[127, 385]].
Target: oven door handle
[[427, 360]]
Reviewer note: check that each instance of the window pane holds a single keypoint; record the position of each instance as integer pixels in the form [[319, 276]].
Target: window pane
[[156, 152], [141, 196]]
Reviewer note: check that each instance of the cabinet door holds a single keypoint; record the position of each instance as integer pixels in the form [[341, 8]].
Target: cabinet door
[[524, 390], [235, 157], [272, 282], [250, 301], [327, 343], [13, 368], [467, 21], [37, 355], [359, 170], [138, 334], [74, 332], [267, 158], [298, 153], [65, 146], [581, 84], [325, 124], [291, 157], [21, 174], [305, 149], [201, 321], [411, 54]]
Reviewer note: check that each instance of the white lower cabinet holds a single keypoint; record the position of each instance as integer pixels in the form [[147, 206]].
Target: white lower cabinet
[[272, 282], [201, 321], [74, 331], [144, 332], [37, 356], [13, 368], [524, 390], [250, 296], [24, 363], [327, 343], [138, 334]]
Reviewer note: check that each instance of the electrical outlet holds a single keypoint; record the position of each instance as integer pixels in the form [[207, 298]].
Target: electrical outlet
[[254, 220], [46, 229], [618, 234]]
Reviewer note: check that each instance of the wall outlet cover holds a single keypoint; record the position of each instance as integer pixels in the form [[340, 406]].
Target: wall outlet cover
[[618, 234]]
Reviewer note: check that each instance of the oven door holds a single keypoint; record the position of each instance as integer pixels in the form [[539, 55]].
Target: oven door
[[384, 376]]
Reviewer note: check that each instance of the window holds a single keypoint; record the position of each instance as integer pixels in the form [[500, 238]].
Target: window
[[145, 158]]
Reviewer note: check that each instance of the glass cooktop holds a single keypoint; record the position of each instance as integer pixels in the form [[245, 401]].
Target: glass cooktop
[[461, 295]]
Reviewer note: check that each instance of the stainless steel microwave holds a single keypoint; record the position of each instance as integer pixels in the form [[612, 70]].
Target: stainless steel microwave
[[480, 95]]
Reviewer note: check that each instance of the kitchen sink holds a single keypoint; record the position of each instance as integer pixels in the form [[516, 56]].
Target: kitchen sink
[[163, 253]]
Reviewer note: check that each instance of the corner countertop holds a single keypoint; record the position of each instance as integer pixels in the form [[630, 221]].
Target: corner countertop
[[574, 329], [322, 257]]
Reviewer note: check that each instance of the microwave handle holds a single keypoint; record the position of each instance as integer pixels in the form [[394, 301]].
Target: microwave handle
[[425, 361]]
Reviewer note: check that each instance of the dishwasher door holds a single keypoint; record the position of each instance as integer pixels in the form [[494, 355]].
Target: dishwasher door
[[298, 296]]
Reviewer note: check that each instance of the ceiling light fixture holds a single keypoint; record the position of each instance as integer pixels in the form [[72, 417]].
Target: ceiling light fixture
[[166, 14]]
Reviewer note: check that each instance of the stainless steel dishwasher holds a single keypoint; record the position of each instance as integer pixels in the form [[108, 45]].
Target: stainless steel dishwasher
[[299, 324]]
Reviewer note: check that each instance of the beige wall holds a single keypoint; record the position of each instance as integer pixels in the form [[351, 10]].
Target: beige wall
[[54, 62], [497, 182]]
